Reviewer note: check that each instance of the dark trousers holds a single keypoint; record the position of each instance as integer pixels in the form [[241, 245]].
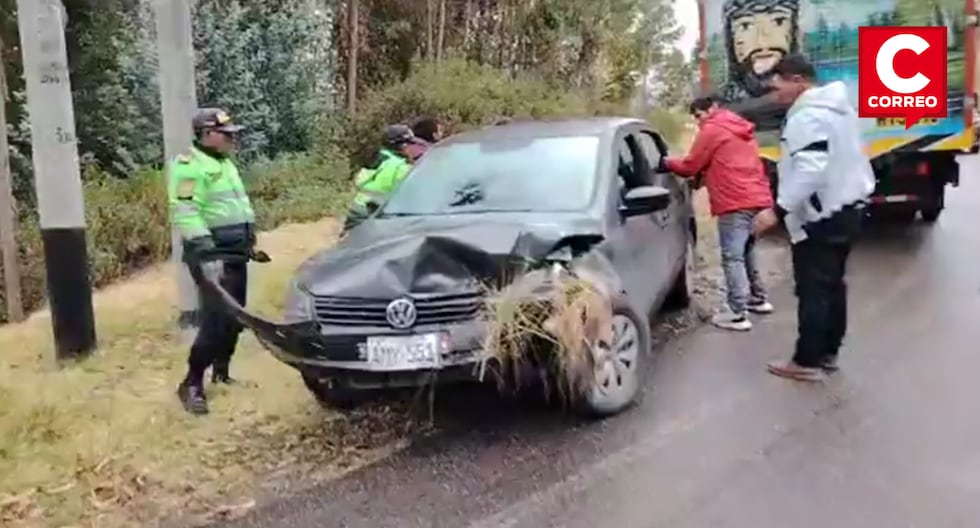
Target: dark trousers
[[819, 267], [217, 336]]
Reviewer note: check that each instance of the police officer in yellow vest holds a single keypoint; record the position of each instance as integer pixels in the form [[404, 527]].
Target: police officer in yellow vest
[[375, 181], [216, 221]]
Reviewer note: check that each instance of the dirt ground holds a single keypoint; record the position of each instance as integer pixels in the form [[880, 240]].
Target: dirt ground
[[105, 443]]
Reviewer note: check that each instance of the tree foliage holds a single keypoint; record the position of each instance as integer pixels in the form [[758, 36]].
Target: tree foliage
[[602, 47]]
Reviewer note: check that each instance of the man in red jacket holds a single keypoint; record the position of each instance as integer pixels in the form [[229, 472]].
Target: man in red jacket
[[726, 152]]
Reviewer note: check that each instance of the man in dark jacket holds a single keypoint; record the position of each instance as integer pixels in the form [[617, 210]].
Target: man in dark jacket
[[725, 150]]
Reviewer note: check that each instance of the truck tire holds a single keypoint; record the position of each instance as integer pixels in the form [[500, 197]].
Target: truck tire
[[934, 207]]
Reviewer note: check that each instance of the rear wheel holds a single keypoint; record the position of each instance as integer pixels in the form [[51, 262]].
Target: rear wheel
[[332, 396], [618, 366]]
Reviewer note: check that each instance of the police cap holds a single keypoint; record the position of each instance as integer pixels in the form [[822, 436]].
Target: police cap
[[397, 135], [215, 118]]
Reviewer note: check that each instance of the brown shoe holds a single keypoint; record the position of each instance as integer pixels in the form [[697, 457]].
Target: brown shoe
[[790, 370]]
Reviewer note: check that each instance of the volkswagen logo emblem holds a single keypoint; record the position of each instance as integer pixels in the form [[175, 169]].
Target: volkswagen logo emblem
[[401, 313]]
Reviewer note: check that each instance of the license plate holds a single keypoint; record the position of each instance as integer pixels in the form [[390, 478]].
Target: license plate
[[413, 352]]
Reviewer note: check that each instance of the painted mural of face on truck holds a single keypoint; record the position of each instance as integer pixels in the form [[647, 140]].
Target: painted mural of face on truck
[[758, 33]]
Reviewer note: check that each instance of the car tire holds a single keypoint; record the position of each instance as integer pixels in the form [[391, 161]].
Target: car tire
[[679, 296], [333, 397], [613, 391]]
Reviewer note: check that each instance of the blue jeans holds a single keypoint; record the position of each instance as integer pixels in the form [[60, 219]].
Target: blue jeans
[[742, 277]]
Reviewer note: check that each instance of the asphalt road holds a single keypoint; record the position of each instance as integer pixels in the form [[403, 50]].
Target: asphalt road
[[716, 442]]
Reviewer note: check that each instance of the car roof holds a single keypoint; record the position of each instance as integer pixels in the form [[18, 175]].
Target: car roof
[[594, 126]]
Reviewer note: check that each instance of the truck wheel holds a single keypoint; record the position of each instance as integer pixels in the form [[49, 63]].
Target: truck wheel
[[333, 397], [932, 210], [931, 214]]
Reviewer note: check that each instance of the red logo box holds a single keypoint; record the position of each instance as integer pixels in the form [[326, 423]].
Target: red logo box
[[902, 72]]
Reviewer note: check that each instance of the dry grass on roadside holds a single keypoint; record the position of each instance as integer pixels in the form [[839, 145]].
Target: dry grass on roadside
[[105, 442]]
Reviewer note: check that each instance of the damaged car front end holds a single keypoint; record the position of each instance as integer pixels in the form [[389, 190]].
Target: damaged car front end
[[413, 308]]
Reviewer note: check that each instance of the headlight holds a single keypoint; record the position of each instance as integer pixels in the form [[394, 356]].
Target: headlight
[[299, 304]]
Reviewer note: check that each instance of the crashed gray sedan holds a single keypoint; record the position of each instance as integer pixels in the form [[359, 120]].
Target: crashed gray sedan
[[400, 297]]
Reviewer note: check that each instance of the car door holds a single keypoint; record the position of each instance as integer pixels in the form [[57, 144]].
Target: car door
[[630, 244], [676, 219], [658, 262]]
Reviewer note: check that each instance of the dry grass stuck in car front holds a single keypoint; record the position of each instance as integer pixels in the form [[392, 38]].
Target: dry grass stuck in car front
[[105, 442]]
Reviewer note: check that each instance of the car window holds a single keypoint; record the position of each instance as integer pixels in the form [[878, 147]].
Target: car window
[[627, 169], [539, 174], [652, 154]]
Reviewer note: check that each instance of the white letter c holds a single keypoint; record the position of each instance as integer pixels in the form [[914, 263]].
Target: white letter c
[[885, 64]]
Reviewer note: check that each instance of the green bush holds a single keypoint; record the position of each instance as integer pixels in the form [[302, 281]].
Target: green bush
[[128, 226]]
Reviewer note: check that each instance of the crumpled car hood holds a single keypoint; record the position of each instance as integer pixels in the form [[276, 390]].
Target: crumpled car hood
[[390, 257]]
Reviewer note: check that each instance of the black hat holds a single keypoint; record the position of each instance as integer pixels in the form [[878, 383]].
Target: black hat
[[216, 118], [397, 135]]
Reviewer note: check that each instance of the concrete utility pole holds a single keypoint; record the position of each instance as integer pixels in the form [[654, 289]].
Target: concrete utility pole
[[8, 213], [179, 103], [57, 177]]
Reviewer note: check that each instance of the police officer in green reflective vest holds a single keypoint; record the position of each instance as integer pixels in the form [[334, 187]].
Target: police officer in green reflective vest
[[216, 221], [376, 180]]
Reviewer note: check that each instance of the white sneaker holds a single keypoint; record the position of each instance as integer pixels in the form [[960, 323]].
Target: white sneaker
[[731, 321], [764, 307]]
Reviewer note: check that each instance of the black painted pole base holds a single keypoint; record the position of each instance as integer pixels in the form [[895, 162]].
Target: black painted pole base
[[69, 291]]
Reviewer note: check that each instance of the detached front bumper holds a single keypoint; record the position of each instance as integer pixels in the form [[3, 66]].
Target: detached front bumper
[[339, 352]]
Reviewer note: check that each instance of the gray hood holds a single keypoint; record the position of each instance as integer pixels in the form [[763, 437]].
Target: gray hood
[[413, 255]]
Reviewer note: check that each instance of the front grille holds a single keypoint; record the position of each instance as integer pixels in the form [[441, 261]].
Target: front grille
[[431, 309]]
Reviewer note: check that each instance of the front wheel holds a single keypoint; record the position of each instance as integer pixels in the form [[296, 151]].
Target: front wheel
[[617, 369]]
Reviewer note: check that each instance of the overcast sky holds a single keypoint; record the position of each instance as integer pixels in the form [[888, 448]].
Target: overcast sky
[[686, 12]]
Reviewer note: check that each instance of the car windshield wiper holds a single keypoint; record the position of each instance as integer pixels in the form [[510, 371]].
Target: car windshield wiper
[[392, 215]]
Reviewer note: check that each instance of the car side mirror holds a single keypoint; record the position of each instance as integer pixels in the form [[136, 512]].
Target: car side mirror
[[644, 200]]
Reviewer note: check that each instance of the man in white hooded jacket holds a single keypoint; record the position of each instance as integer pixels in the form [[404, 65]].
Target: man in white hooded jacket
[[825, 180]]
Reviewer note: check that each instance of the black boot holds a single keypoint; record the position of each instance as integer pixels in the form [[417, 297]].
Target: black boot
[[219, 374], [192, 397]]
